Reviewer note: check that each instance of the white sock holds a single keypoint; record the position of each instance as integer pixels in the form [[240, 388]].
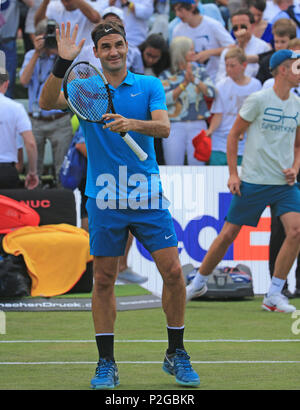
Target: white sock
[[276, 286], [199, 280]]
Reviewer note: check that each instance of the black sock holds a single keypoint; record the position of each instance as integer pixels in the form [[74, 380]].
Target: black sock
[[105, 344], [175, 337]]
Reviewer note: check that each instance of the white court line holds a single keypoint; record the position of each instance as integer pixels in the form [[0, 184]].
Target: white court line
[[160, 362], [161, 341]]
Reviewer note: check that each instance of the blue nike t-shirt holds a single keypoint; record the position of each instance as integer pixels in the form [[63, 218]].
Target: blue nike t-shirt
[[115, 175]]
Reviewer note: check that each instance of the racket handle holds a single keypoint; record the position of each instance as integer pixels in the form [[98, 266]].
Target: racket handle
[[142, 155]]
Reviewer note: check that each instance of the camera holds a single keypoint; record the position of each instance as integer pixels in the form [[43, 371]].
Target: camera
[[50, 36]]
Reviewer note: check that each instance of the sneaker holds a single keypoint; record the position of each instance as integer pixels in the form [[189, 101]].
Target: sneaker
[[178, 365], [277, 303], [128, 275], [192, 293], [106, 376]]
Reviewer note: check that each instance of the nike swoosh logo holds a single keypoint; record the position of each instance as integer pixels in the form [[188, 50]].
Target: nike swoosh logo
[[107, 30], [168, 237], [134, 95]]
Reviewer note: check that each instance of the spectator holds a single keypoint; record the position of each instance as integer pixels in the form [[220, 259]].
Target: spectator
[[54, 124], [159, 22], [155, 55], [230, 95], [261, 27], [85, 13], [293, 44], [13, 122], [10, 13], [156, 59], [185, 84], [208, 35], [283, 30], [292, 12], [274, 7], [137, 14], [242, 26], [209, 10]]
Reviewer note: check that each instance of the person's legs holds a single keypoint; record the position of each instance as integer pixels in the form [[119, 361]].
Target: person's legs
[[290, 247], [104, 315], [173, 295], [125, 272], [176, 361], [274, 300], [103, 298]]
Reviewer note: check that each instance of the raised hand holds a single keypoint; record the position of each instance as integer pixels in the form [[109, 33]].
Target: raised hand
[[66, 43]]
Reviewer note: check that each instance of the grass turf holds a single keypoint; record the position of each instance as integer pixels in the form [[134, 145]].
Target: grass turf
[[205, 320]]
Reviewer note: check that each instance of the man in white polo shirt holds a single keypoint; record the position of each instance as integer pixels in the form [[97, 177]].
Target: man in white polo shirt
[[14, 121]]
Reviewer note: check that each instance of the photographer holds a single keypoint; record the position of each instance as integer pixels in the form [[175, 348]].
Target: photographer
[[54, 124]]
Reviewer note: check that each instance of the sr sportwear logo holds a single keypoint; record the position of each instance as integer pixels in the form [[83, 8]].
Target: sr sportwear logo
[[275, 119]]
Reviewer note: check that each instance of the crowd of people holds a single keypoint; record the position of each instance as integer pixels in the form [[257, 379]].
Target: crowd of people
[[188, 44], [209, 69]]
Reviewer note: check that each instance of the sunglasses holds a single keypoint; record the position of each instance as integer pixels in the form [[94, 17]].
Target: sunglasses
[[236, 27]]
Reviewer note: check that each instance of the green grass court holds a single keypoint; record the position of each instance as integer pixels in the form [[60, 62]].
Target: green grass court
[[234, 345]]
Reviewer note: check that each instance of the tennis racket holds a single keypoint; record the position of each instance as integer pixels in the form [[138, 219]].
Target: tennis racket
[[89, 97]]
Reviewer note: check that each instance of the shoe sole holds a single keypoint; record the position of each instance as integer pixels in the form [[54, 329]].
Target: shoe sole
[[104, 386], [275, 309], [170, 373], [199, 293]]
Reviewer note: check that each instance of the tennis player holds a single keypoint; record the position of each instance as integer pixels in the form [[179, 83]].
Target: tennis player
[[270, 166], [113, 170]]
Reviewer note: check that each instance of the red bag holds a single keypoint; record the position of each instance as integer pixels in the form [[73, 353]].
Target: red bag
[[14, 215], [202, 145]]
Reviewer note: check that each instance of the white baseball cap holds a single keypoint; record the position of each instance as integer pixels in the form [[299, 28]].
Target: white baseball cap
[[113, 10]]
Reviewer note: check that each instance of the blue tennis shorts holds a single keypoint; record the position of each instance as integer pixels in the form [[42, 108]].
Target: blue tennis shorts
[[108, 229], [247, 209]]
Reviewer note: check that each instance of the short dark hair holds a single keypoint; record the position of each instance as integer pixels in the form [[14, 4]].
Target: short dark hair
[[187, 7], [106, 28], [258, 4], [244, 12]]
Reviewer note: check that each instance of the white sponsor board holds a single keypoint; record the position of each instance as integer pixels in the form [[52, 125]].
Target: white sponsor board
[[199, 201]]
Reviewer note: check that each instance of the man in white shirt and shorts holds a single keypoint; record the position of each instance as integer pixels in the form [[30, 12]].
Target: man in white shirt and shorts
[[270, 166]]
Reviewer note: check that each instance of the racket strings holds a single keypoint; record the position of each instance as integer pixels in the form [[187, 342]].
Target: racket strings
[[87, 92]]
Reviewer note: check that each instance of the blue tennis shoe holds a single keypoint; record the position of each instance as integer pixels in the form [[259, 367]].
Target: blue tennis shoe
[[178, 365], [106, 375]]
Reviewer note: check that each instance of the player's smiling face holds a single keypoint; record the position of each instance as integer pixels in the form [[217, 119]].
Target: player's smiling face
[[112, 51]]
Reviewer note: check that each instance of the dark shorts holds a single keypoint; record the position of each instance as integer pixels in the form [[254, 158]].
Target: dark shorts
[[247, 208]]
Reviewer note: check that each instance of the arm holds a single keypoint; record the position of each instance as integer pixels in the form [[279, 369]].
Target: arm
[[32, 179], [158, 126], [90, 13], [40, 14], [51, 96], [291, 173], [239, 127], [29, 69], [214, 123]]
